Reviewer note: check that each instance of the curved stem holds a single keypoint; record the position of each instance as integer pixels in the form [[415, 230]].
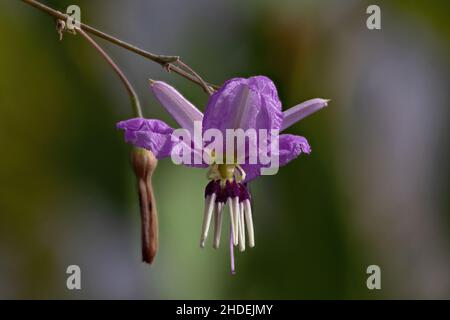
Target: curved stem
[[131, 92]]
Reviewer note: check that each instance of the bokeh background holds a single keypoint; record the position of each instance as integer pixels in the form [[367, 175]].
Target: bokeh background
[[374, 190]]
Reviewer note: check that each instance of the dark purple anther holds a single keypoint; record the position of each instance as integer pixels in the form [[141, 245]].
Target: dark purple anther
[[232, 189], [243, 192], [210, 188]]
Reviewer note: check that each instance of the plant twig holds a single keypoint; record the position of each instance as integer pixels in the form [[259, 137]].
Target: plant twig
[[209, 90], [168, 62]]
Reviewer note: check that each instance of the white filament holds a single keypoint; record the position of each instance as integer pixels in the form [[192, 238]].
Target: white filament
[[218, 224], [236, 218], [233, 222], [249, 222], [241, 227], [209, 206]]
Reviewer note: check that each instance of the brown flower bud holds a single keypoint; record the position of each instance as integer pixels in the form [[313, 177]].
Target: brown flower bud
[[144, 164]]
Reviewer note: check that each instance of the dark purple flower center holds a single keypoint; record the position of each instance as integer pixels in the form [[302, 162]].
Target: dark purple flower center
[[223, 192]]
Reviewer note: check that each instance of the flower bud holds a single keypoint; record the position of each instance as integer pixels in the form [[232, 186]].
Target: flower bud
[[144, 164]]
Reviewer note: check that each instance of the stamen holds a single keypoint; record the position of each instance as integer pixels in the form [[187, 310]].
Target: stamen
[[218, 194], [233, 197], [233, 270], [209, 206], [241, 228], [235, 204], [249, 222], [210, 188], [232, 215], [221, 192], [218, 224]]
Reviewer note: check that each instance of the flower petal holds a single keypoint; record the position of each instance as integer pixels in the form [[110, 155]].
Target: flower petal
[[244, 103], [154, 135], [301, 111], [290, 147], [184, 112], [252, 171]]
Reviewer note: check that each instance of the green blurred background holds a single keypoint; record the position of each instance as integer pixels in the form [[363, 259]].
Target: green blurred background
[[373, 191]]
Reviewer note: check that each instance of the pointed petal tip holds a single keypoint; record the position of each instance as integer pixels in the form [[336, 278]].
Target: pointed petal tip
[[321, 101], [181, 110], [158, 83], [302, 110]]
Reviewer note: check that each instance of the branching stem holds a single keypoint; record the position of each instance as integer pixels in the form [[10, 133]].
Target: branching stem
[[170, 63]]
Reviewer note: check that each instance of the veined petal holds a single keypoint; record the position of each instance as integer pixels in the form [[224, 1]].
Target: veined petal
[[151, 134], [289, 147], [184, 112], [301, 111], [244, 103]]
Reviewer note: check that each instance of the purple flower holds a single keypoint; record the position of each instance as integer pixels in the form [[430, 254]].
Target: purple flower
[[240, 104]]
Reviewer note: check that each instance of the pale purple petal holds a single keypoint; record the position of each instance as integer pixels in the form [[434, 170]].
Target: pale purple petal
[[244, 103], [301, 111], [252, 171], [184, 112], [153, 135], [291, 147]]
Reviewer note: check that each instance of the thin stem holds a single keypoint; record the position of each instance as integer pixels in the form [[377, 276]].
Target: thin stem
[[131, 92], [163, 60], [205, 86]]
